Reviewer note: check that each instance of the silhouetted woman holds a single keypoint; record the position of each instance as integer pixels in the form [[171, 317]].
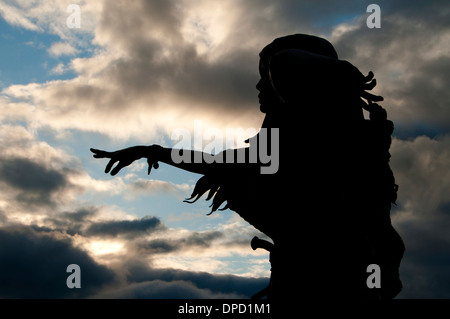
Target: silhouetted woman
[[326, 203]]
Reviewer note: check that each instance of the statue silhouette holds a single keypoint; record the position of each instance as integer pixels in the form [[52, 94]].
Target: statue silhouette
[[327, 207]]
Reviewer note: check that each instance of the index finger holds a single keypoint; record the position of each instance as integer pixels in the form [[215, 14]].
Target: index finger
[[100, 153]]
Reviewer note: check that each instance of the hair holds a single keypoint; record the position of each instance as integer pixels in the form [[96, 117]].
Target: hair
[[305, 42], [344, 79]]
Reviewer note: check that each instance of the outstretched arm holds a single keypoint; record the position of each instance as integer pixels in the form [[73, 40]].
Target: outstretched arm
[[194, 161]]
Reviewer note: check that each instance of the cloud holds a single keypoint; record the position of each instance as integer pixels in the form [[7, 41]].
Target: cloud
[[147, 282], [158, 289], [34, 176], [87, 236], [424, 270], [167, 67], [36, 183], [145, 66], [195, 240], [61, 48], [15, 17], [50, 17], [128, 228], [154, 58], [422, 217], [34, 265], [36, 258], [410, 57], [72, 222], [141, 186], [58, 69], [420, 170]]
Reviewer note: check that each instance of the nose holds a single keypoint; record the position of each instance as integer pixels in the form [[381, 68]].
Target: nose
[[259, 85]]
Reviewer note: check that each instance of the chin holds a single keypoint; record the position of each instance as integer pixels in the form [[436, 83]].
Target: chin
[[263, 107]]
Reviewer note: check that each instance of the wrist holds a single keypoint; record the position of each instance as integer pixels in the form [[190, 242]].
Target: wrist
[[153, 152]]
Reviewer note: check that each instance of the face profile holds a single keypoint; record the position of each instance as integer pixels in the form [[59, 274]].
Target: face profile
[[267, 95]]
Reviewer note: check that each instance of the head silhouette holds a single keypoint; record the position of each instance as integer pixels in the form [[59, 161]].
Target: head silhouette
[[268, 96], [305, 42]]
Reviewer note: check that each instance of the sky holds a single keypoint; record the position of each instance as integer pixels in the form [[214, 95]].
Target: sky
[[135, 72]]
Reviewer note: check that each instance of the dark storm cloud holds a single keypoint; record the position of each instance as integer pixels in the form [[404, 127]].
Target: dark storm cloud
[[128, 228], [422, 218], [421, 169], [195, 240], [427, 97], [228, 84], [432, 12], [72, 222], [179, 289], [26, 175], [424, 270], [224, 85], [35, 259], [309, 16], [148, 282], [34, 264], [203, 280], [159, 289], [159, 59], [154, 59], [411, 60], [36, 183], [80, 215], [163, 15]]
